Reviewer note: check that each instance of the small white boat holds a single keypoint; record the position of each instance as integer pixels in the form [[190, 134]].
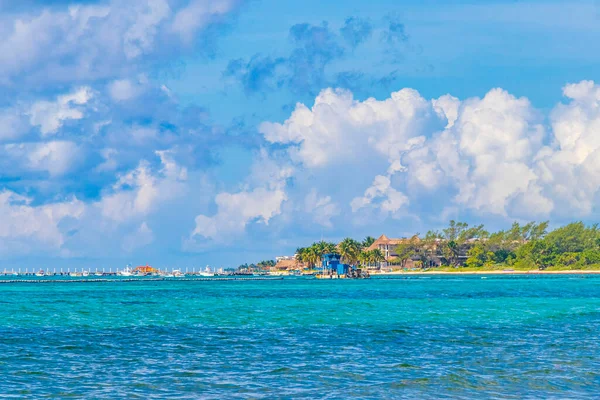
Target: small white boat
[[126, 272], [207, 272], [98, 273], [40, 273], [178, 274], [85, 273]]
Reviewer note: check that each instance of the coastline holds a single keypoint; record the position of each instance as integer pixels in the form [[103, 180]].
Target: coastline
[[492, 272]]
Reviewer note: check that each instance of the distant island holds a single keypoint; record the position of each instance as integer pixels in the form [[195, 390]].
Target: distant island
[[459, 248]]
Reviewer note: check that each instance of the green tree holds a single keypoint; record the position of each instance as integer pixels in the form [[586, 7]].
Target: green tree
[[457, 238], [376, 256], [323, 247], [371, 257], [367, 242], [477, 256], [312, 256], [407, 249], [300, 254], [349, 250]]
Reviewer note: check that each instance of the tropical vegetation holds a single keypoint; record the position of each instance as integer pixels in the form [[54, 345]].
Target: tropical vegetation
[[352, 252], [459, 245]]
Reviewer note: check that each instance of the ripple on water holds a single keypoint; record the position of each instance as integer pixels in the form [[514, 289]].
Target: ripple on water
[[432, 338]]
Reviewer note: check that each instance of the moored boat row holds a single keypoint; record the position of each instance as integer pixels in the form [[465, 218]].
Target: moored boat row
[[128, 271]]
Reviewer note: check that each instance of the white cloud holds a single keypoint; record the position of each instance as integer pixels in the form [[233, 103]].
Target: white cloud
[[95, 42], [338, 127], [12, 124], [55, 157], [570, 168], [109, 163], [258, 204], [492, 155], [139, 37], [139, 192], [23, 222], [198, 14], [486, 154], [49, 115], [389, 199], [236, 210], [122, 90], [322, 208]]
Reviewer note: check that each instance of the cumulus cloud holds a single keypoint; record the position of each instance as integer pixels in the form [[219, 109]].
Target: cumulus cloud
[[339, 127], [86, 119], [485, 153], [98, 41], [260, 201], [495, 155], [389, 199], [50, 115], [24, 223], [321, 208], [570, 166], [140, 191], [236, 210], [54, 157]]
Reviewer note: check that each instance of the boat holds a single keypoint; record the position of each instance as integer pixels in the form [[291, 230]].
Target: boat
[[85, 273], [40, 273], [207, 272], [125, 272], [178, 274], [98, 273]]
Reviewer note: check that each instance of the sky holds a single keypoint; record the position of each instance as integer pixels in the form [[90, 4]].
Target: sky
[[185, 133]]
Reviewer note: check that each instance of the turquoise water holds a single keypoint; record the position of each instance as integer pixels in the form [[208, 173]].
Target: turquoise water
[[422, 337]]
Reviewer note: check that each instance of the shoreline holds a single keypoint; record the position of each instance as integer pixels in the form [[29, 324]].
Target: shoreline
[[492, 272]]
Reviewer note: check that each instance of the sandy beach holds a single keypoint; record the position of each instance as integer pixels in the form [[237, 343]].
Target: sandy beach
[[491, 272]]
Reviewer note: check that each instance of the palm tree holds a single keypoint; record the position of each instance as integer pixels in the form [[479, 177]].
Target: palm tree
[[313, 255], [323, 247], [300, 253], [363, 257], [377, 256], [349, 250], [367, 242]]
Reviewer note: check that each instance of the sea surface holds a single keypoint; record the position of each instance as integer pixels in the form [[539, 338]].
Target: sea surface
[[417, 337]]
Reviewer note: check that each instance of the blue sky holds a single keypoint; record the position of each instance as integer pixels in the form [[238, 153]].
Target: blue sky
[[194, 132]]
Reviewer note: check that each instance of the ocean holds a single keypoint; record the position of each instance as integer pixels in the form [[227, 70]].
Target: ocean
[[415, 337]]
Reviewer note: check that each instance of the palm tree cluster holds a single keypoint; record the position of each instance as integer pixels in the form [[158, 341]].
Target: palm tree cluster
[[352, 252]]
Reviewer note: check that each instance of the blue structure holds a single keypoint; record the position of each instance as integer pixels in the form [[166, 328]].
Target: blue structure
[[331, 263]]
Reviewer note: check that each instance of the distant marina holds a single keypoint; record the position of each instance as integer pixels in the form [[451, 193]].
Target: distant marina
[[128, 274]]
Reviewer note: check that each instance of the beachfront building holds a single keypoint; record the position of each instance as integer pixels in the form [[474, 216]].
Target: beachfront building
[[286, 264], [387, 246], [435, 255]]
